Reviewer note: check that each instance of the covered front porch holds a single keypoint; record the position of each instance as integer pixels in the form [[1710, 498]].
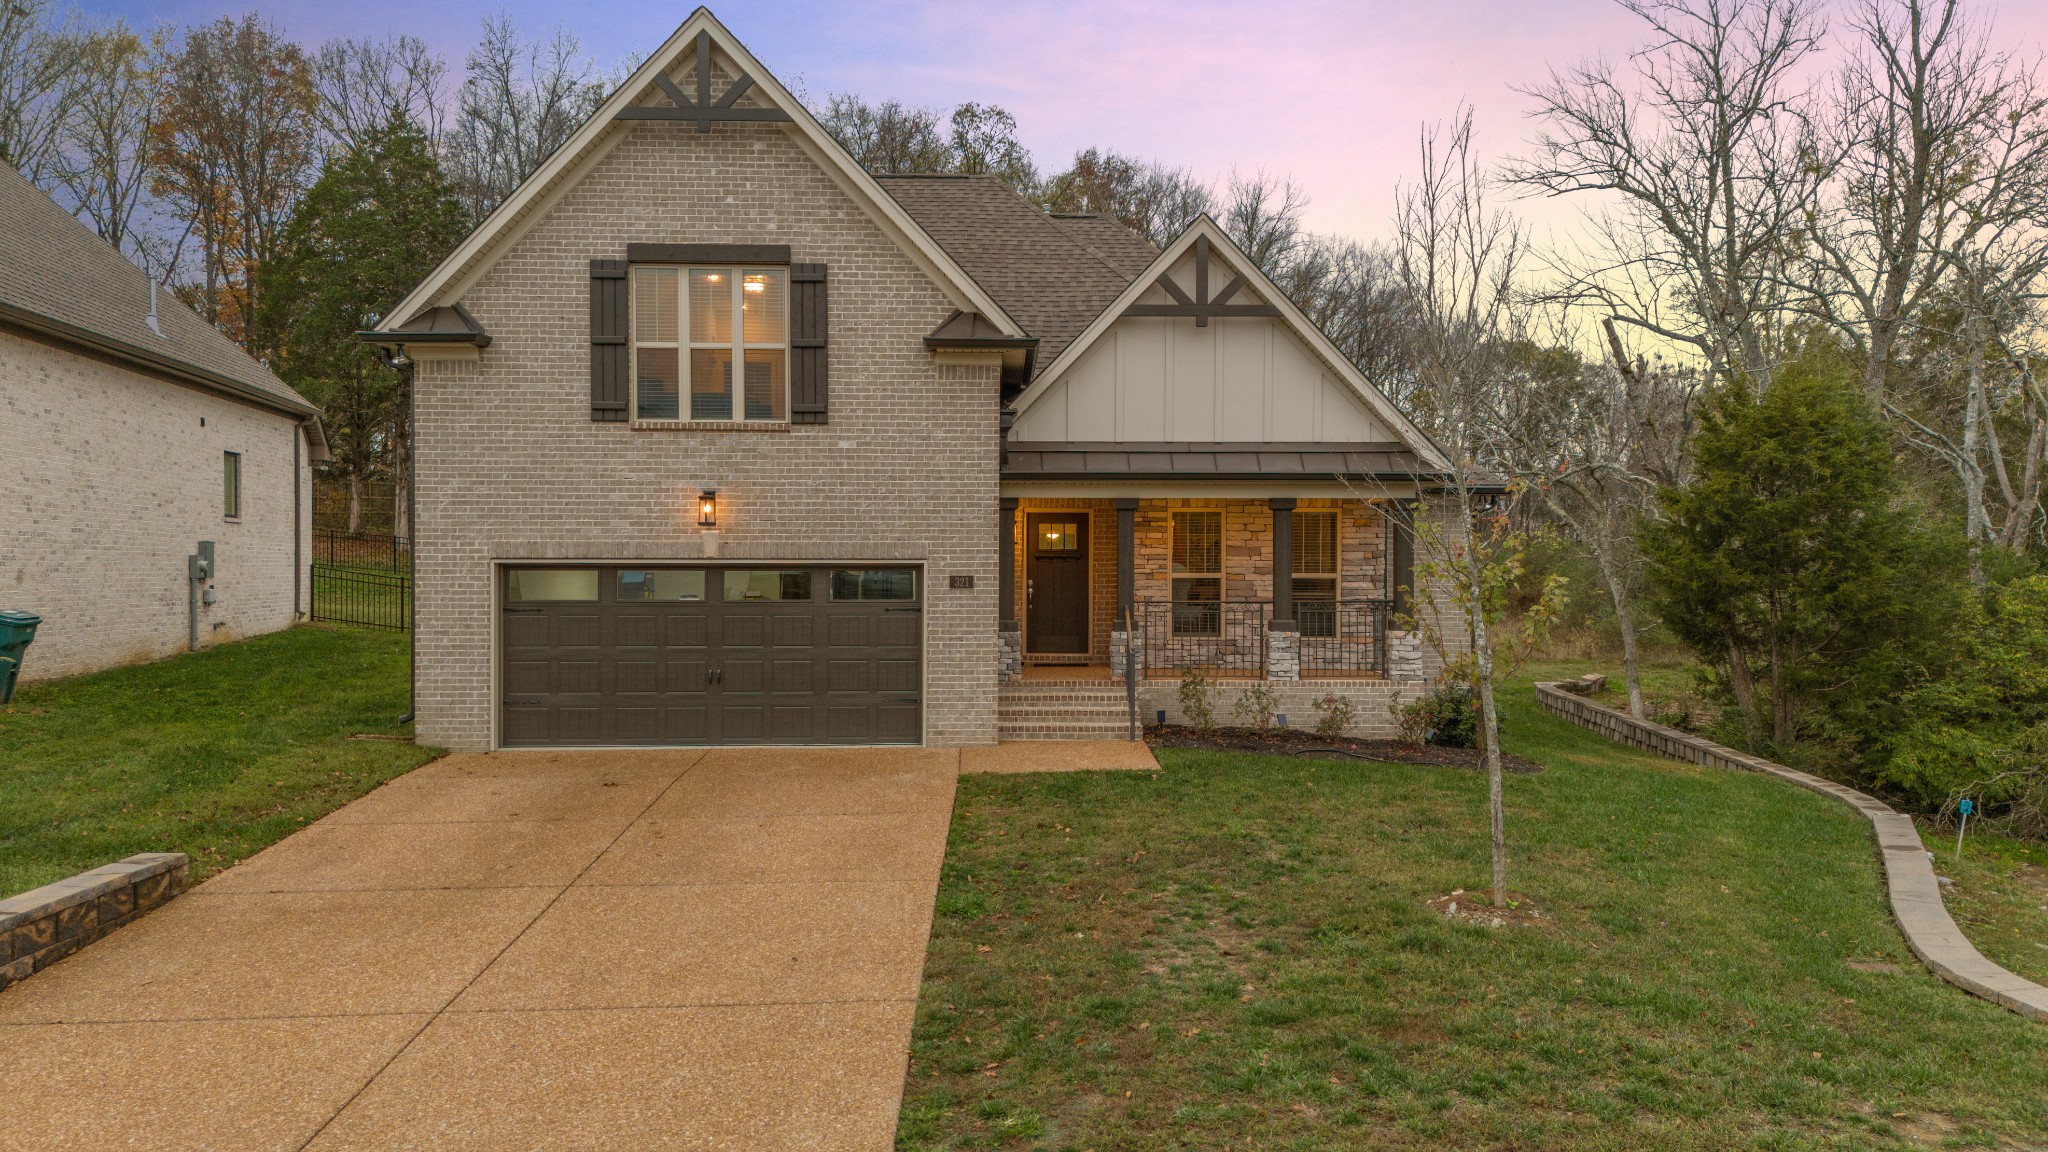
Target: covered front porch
[[1241, 586]]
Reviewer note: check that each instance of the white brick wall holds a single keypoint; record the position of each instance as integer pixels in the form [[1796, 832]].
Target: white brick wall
[[511, 466], [108, 480]]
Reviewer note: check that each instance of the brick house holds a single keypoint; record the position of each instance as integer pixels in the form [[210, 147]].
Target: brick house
[[972, 460], [131, 431]]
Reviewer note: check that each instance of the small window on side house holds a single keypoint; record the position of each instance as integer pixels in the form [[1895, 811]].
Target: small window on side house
[[231, 484], [711, 344]]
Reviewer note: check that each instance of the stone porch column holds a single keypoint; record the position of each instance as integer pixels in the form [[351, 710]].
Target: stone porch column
[[1283, 639], [1404, 646], [1009, 638]]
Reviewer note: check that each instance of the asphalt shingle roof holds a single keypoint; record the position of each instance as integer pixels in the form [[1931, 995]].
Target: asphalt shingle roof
[[1053, 275], [58, 277]]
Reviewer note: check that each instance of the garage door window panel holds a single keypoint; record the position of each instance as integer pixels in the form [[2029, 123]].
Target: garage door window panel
[[556, 585], [762, 584]]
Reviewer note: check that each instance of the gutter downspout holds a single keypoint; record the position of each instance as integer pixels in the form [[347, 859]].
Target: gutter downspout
[[298, 526], [403, 365]]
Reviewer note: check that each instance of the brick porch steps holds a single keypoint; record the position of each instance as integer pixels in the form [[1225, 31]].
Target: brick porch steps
[[1061, 710]]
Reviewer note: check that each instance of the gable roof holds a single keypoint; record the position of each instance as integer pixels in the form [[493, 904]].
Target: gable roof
[[649, 85], [60, 281], [1053, 274], [1205, 228]]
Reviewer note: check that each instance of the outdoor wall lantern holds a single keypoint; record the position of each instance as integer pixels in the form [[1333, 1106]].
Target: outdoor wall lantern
[[707, 508]]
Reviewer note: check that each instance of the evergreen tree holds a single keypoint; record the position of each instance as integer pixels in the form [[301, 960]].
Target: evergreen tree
[[1790, 563], [375, 223]]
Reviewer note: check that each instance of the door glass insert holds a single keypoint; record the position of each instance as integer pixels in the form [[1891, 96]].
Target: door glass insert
[[1058, 536], [637, 585], [767, 584], [875, 584], [531, 584]]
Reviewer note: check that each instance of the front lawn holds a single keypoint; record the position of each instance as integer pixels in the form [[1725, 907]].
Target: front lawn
[[216, 754], [1236, 954]]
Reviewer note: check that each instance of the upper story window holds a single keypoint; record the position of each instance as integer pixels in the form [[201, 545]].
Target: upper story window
[[691, 326]]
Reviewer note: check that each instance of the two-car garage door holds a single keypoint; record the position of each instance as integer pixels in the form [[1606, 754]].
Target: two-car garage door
[[615, 655]]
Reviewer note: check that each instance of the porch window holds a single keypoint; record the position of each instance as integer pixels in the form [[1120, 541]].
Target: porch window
[[1198, 573], [1315, 573], [702, 304]]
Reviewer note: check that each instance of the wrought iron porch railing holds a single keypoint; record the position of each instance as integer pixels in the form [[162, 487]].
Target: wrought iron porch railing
[[1224, 638], [1343, 638], [1230, 638]]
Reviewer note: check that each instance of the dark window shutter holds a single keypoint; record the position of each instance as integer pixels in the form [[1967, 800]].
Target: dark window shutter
[[1403, 593], [610, 359], [808, 388]]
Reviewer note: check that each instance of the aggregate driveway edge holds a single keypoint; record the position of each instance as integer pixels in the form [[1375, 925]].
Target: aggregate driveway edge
[[1908, 869]]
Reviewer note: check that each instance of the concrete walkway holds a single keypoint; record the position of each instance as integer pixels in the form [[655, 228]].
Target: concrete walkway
[[630, 950]]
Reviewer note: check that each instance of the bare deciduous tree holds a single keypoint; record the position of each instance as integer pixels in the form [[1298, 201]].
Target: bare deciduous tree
[[366, 85], [104, 167], [1459, 258], [1708, 147], [1154, 200], [1262, 215], [889, 138], [520, 101], [233, 147], [40, 81]]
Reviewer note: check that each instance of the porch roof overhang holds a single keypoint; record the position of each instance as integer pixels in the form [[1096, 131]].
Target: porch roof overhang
[[447, 324], [1210, 463]]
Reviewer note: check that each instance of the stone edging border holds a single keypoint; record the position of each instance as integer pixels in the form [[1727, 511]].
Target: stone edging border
[[1916, 897], [44, 925]]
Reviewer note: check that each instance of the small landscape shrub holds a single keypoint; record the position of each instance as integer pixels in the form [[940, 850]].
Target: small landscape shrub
[[1194, 699], [1334, 714], [1254, 707], [1448, 716]]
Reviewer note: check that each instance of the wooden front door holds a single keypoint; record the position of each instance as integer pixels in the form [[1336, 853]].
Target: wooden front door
[[1056, 582]]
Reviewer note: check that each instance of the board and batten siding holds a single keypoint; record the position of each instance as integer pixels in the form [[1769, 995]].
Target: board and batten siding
[[1167, 379]]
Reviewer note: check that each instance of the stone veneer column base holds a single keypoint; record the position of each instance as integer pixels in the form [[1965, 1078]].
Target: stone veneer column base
[[1283, 656], [1404, 656], [1009, 657], [1119, 641]]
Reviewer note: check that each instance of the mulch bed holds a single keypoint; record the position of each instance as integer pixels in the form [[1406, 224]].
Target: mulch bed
[[1295, 742]]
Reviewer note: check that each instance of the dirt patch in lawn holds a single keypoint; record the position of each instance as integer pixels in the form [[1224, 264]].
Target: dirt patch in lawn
[[1477, 908], [1308, 745]]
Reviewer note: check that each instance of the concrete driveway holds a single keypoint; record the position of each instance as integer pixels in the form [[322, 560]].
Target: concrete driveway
[[630, 950]]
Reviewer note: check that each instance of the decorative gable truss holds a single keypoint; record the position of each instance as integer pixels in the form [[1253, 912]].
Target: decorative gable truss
[[1250, 368], [703, 111]]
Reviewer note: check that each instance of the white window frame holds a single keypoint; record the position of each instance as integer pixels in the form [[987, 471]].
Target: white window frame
[[738, 346]]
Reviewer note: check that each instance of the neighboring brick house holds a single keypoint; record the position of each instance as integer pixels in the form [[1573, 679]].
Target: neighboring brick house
[[130, 431], [968, 449]]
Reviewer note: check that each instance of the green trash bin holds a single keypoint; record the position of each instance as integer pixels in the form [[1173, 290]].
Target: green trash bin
[[17, 632]]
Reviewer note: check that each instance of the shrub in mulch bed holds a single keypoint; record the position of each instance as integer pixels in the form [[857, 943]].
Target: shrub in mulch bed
[[1295, 742]]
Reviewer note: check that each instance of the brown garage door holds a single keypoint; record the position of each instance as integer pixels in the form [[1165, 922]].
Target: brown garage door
[[711, 655]]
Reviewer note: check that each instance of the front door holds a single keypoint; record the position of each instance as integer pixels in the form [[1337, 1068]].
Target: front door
[[1056, 582]]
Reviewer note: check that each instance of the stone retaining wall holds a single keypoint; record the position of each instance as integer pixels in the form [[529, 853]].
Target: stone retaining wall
[[1909, 872], [40, 927]]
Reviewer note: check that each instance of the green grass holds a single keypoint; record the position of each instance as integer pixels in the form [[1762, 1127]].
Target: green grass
[[2000, 897], [1236, 953], [216, 754]]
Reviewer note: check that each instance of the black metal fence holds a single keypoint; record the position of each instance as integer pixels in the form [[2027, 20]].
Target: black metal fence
[[1230, 638], [362, 579], [362, 596], [361, 550], [1223, 638], [1339, 639]]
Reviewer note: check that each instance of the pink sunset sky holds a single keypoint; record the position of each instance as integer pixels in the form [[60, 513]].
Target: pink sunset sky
[[1333, 93]]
